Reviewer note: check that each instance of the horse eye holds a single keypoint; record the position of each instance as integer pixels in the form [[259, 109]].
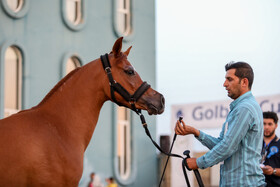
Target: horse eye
[[129, 72]]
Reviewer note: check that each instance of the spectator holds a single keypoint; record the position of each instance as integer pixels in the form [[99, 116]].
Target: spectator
[[270, 152], [111, 182], [94, 181]]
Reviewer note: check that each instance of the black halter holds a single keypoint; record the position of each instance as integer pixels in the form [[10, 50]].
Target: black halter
[[116, 87]]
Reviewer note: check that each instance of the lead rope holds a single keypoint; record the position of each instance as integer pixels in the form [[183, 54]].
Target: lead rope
[[174, 138], [162, 175], [186, 153]]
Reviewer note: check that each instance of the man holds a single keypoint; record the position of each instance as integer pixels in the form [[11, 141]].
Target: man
[[270, 151], [239, 145]]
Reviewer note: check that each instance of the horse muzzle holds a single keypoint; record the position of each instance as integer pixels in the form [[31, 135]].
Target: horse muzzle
[[156, 107]]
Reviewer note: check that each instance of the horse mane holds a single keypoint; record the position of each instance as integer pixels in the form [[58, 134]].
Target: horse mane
[[58, 85]]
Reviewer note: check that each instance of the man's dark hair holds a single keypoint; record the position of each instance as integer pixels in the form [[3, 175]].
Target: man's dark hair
[[270, 115], [243, 70]]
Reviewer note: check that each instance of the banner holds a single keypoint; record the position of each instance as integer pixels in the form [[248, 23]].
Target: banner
[[213, 114]]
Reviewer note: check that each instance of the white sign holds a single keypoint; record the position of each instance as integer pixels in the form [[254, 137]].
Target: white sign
[[213, 114]]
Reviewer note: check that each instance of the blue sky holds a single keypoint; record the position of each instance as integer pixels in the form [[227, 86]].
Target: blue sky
[[196, 38]]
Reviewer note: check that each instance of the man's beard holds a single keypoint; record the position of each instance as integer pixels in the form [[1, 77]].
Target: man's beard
[[269, 135]]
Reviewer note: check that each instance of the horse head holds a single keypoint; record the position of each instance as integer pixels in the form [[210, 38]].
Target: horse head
[[127, 82]]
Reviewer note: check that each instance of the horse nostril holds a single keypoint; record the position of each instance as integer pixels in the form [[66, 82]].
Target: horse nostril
[[162, 100]]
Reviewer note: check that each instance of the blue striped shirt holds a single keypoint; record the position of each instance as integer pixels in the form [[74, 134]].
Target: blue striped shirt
[[238, 146]]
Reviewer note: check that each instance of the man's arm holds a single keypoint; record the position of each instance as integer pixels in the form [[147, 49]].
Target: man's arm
[[229, 144], [205, 139]]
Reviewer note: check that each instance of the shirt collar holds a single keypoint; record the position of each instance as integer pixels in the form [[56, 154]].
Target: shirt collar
[[240, 98], [275, 139]]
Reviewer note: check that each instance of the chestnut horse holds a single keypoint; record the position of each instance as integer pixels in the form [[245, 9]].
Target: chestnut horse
[[45, 145]]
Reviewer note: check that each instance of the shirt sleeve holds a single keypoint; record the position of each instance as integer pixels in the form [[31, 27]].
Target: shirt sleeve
[[237, 129], [208, 140]]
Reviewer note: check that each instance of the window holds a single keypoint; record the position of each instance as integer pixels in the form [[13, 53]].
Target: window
[[74, 11], [123, 17], [72, 63], [123, 142], [12, 81], [15, 5], [15, 8], [74, 14]]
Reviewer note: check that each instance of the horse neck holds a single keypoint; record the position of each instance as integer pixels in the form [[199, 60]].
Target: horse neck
[[73, 107]]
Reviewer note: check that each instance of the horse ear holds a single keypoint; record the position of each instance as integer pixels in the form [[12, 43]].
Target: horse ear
[[127, 51], [117, 46]]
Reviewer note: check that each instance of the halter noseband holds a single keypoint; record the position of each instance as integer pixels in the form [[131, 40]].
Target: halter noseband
[[116, 87]]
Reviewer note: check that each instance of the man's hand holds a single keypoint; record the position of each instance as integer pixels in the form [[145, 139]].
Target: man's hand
[[191, 162], [183, 129], [267, 170]]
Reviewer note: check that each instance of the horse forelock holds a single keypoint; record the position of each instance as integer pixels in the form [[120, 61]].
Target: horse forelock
[[119, 58], [58, 85], [119, 55]]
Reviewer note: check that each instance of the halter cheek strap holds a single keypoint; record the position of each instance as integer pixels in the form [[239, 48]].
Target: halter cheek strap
[[116, 87]]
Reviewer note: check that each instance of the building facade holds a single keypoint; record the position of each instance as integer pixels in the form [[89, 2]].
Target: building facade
[[41, 41]]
